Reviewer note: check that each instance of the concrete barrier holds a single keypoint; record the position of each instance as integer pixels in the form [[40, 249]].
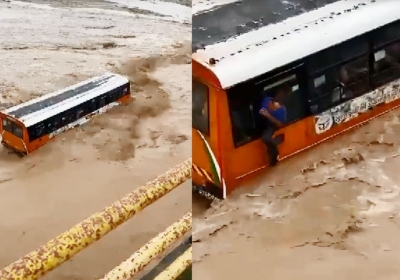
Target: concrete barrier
[[66, 245]]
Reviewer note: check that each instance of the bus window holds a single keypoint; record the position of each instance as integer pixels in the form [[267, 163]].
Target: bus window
[[200, 120], [68, 117], [324, 90], [344, 76], [12, 128], [353, 77], [79, 113], [294, 101], [245, 103], [93, 105], [386, 58], [126, 91], [333, 56], [102, 102], [7, 125], [244, 127], [386, 35], [57, 122], [110, 97], [386, 64], [17, 130], [36, 131], [117, 94]]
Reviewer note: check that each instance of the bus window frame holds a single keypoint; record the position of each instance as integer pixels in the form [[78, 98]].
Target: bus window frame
[[254, 91], [205, 105], [17, 126], [337, 92], [11, 126], [382, 38], [7, 125], [377, 36], [387, 75], [337, 55]]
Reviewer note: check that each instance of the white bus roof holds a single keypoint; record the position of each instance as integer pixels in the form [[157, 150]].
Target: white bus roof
[[262, 50], [36, 110]]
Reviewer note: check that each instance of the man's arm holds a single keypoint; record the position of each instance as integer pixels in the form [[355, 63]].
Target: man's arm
[[276, 122]]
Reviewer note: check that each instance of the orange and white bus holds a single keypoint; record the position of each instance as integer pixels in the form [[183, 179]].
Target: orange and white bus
[[30, 125], [341, 61]]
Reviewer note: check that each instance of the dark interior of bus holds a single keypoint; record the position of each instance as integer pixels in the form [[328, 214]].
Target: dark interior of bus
[[67, 117], [319, 82]]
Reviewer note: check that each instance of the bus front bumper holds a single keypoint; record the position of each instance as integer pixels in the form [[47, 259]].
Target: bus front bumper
[[209, 191], [21, 153]]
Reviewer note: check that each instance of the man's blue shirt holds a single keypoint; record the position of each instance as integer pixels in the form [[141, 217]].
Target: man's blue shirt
[[279, 113]]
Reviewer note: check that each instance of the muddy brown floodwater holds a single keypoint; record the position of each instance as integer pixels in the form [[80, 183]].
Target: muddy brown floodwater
[[329, 213], [45, 48]]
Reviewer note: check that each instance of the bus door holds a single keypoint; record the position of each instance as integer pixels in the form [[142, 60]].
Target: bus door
[[13, 135], [203, 136], [249, 152]]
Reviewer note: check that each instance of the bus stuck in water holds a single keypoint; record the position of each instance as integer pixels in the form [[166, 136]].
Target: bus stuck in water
[[30, 125], [337, 61]]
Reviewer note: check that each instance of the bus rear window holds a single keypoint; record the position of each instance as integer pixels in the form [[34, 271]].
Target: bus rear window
[[12, 128], [200, 118]]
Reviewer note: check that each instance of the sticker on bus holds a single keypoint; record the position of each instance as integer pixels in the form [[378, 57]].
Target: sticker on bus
[[355, 107]]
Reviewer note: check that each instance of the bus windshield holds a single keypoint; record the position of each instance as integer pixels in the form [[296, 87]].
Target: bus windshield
[[200, 117], [12, 128]]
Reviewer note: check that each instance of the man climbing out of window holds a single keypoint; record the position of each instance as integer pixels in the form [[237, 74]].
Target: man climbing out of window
[[274, 113]]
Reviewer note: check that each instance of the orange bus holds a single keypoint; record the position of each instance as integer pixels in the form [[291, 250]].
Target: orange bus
[[30, 125], [341, 61]]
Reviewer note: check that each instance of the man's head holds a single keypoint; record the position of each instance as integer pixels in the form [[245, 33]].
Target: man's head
[[282, 93]]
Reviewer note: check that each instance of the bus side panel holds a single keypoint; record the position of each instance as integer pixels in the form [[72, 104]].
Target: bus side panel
[[249, 160], [225, 141], [244, 161], [363, 117], [295, 137], [36, 144]]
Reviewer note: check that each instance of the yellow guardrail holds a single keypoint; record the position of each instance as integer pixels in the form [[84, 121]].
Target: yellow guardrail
[[177, 267], [66, 245]]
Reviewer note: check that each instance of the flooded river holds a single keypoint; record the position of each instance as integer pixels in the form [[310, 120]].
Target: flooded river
[[45, 48], [329, 213]]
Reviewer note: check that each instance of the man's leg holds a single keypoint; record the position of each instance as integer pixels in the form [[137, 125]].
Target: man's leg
[[267, 138]]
